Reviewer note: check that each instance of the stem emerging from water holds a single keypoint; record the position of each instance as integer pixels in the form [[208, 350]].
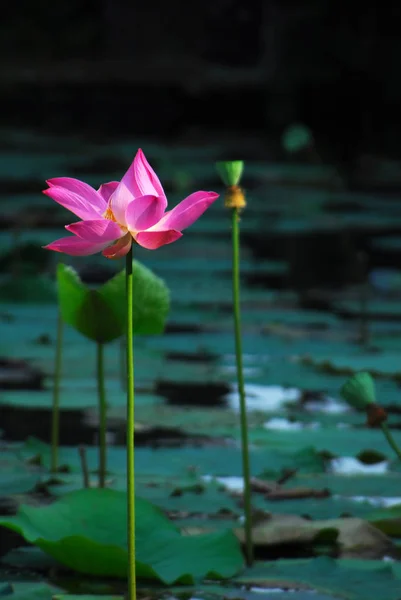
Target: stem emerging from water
[[390, 439], [130, 433], [241, 389], [102, 413], [55, 433], [84, 466]]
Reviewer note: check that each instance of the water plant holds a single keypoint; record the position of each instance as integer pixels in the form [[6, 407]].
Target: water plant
[[112, 219], [230, 173], [97, 314], [359, 392]]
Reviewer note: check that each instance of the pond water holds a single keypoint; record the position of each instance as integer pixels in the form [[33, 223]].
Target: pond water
[[311, 315]]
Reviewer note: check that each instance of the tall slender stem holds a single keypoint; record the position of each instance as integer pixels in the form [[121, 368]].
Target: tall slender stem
[[122, 363], [55, 433], [390, 439], [102, 414], [130, 434], [241, 389]]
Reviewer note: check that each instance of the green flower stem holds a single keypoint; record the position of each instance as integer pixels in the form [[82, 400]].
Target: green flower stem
[[122, 365], [390, 439], [102, 414], [241, 389], [55, 433], [130, 433]]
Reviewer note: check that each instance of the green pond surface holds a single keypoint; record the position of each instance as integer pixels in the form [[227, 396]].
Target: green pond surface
[[298, 351]]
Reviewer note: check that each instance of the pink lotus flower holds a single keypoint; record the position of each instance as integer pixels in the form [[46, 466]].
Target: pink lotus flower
[[120, 212]]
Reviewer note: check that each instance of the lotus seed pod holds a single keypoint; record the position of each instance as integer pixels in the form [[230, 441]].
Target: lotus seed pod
[[359, 391], [230, 171]]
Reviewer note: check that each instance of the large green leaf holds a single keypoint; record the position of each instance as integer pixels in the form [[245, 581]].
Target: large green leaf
[[99, 314], [85, 309], [151, 298], [86, 531]]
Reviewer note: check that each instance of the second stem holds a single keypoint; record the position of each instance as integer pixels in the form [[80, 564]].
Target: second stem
[[102, 414], [130, 433], [241, 388]]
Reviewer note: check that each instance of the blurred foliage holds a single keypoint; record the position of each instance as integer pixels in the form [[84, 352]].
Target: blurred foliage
[[296, 137], [58, 30], [324, 65]]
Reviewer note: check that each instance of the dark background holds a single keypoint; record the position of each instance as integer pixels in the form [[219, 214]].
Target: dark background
[[198, 70]]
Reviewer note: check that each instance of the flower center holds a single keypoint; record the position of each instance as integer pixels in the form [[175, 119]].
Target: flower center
[[109, 215]]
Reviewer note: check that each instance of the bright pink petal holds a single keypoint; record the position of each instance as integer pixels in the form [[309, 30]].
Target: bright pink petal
[[119, 202], [76, 204], [82, 189], [97, 231], [141, 179], [75, 246], [107, 189], [154, 239], [187, 211], [144, 212], [120, 248]]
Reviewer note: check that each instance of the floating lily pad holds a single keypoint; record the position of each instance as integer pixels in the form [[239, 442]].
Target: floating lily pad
[[348, 579], [87, 597], [375, 309], [27, 591], [37, 289], [376, 363], [387, 520]]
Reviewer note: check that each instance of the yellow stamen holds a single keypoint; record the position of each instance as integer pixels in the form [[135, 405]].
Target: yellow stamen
[[109, 215], [234, 197]]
